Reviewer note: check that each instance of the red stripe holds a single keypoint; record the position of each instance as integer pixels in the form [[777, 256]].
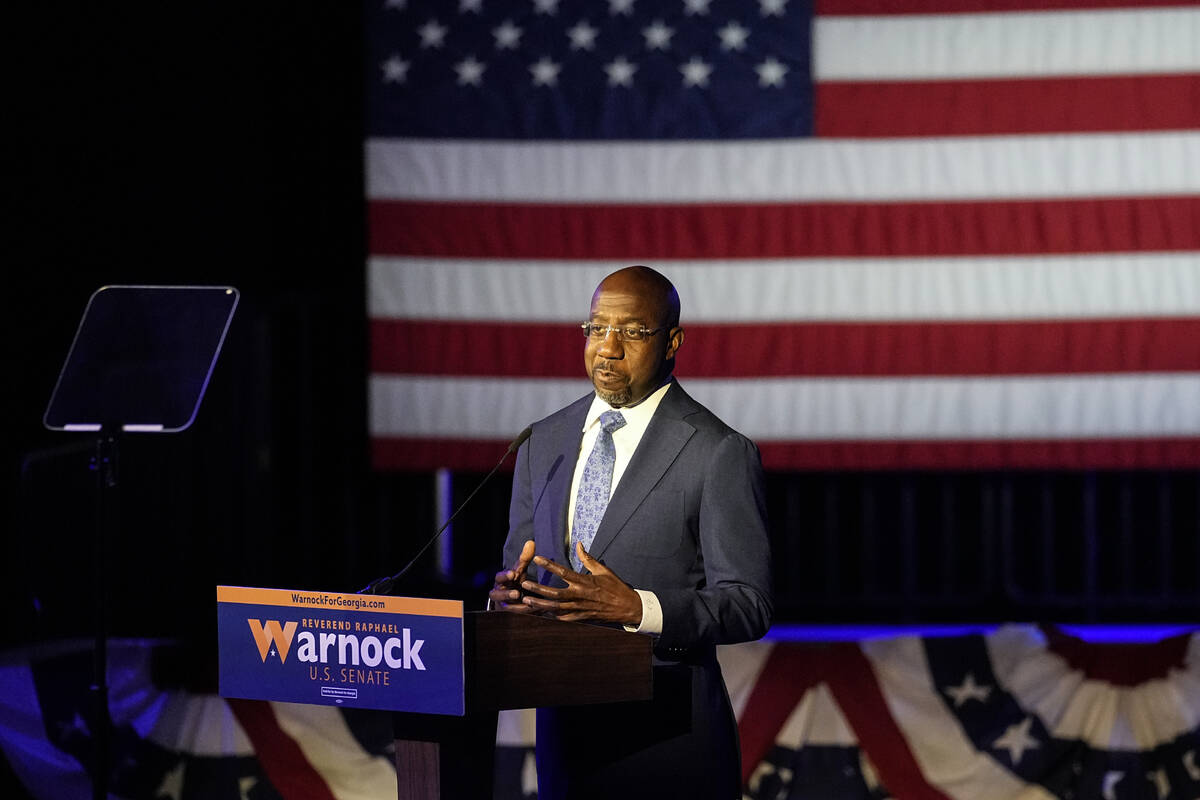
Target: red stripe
[[415, 347], [789, 672], [1179, 453], [398, 453], [900, 7], [861, 700], [281, 758], [782, 230], [1123, 664], [973, 107]]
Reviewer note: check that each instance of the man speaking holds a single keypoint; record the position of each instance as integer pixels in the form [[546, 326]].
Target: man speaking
[[637, 505]]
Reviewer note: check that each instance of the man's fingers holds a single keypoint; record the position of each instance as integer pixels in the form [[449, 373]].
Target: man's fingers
[[555, 567], [542, 589], [585, 558]]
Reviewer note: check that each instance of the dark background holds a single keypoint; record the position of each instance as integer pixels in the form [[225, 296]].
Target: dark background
[[221, 143]]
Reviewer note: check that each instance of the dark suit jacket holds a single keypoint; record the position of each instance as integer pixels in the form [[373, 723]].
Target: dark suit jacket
[[687, 521]]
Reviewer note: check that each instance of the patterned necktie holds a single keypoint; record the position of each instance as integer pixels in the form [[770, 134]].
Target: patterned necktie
[[595, 486]]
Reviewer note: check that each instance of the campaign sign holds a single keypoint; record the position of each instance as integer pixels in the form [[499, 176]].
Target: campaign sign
[[364, 651]]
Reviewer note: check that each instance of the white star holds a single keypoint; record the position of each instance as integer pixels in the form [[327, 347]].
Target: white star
[[695, 72], [771, 72], [172, 783], [545, 7], [695, 7], [620, 7], [583, 36], [508, 36], [470, 72], [395, 70], [545, 72], [1109, 788], [1016, 740], [473, 6], [771, 8], [733, 37], [969, 690], [1161, 784], [396, 4], [620, 72], [658, 35], [1189, 764], [432, 34]]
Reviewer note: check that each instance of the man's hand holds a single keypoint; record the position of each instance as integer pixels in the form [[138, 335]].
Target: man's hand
[[601, 596], [505, 594]]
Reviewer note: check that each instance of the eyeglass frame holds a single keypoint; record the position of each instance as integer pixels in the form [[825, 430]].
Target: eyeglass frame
[[644, 333]]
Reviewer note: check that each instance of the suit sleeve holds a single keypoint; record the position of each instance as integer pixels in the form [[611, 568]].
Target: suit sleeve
[[733, 604]]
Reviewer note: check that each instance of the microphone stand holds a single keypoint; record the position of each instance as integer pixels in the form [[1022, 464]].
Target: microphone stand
[[384, 585]]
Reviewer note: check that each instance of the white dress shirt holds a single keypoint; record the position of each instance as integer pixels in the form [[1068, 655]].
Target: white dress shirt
[[625, 442]]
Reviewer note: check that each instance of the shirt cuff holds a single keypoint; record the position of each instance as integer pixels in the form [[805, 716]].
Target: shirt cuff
[[652, 616]]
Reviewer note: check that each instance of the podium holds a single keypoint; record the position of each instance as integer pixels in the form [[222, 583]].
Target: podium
[[443, 674], [514, 661]]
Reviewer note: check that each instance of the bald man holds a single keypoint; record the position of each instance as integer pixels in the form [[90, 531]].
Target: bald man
[[637, 505]]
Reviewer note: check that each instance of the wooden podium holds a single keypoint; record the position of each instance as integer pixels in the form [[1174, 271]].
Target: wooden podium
[[514, 661]]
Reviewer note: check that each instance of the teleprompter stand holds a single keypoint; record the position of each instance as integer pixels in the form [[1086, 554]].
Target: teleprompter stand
[[514, 661], [140, 362]]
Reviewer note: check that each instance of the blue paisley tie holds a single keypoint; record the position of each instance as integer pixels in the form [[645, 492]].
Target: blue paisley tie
[[595, 486]]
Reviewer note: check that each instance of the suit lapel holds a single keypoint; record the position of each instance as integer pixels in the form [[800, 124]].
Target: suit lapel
[[665, 436], [557, 467]]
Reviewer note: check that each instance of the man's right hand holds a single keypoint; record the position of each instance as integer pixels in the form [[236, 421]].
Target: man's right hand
[[506, 593]]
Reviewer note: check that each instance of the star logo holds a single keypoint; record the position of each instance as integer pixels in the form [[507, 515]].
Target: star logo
[[771, 72], [772, 8], [582, 36], [698, 7], [1016, 740], [695, 72], [545, 72], [658, 36], [395, 70], [733, 36], [545, 7], [620, 72], [432, 34], [623, 7], [508, 36], [969, 690], [470, 72], [470, 6]]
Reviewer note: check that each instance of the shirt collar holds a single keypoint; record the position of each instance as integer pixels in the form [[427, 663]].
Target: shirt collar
[[634, 415]]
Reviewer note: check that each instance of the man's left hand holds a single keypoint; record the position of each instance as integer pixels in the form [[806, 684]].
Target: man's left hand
[[600, 596]]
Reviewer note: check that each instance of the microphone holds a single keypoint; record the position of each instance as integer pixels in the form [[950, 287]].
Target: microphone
[[384, 585]]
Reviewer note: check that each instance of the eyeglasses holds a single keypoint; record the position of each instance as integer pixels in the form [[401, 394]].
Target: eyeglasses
[[625, 333]]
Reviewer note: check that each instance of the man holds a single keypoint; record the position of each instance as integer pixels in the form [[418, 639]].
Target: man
[[679, 552]]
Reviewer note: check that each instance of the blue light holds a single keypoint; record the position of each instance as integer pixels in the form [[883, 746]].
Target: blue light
[[1099, 634]]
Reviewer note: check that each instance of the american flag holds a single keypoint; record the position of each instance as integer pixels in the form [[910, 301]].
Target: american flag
[[922, 233]]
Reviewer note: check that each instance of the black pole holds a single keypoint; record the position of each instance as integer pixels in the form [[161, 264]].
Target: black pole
[[104, 463]]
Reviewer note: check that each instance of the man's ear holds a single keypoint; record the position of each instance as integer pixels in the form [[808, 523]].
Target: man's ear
[[674, 340]]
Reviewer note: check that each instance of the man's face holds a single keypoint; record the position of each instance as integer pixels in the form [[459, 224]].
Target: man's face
[[626, 372]]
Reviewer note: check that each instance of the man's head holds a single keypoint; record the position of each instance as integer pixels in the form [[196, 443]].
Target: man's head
[[624, 371]]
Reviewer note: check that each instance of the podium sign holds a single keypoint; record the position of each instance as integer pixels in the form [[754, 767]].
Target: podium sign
[[362, 651]]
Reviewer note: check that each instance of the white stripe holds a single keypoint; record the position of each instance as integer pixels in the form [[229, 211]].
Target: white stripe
[[1038, 43], [199, 724], [817, 720], [1075, 707], [990, 167], [1043, 287], [995, 409], [327, 743]]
